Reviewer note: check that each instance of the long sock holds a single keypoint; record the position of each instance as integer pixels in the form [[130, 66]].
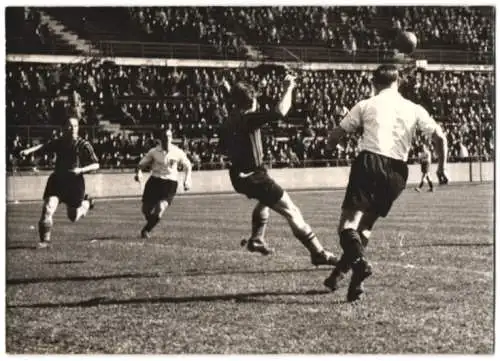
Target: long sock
[[153, 220], [82, 210], [421, 184], [351, 243], [44, 230], [259, 224], [430, 183], [310, 241], [364, 239]]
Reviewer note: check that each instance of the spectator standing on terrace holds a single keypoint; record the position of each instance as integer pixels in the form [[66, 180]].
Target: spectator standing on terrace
[[379, 173]]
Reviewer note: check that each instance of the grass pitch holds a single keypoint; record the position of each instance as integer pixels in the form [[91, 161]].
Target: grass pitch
[[192, 289]]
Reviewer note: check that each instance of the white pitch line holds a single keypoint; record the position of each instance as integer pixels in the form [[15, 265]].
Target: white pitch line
[[392, 264]]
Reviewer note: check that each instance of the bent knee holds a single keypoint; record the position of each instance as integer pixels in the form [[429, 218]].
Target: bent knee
[[161, 207]]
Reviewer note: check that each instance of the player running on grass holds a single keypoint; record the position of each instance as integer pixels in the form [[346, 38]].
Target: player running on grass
[[241, 142], [379, 172], [75, 156], [425, 160], [161, 187]]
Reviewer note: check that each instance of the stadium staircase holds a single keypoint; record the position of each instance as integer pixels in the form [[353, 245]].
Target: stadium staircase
[[59, 30]]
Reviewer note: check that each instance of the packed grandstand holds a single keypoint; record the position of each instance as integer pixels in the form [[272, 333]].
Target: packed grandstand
[[122, 105]]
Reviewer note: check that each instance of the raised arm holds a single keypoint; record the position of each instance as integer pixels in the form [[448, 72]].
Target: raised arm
[[258, 119]]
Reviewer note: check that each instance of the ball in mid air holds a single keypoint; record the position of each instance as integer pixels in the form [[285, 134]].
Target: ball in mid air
[[406, 42]]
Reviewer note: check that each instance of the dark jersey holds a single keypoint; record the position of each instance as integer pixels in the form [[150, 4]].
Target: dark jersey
[[241, 138], [71, 153]]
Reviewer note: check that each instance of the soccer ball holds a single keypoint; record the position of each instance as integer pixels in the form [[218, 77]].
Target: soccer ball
[[406, 42]]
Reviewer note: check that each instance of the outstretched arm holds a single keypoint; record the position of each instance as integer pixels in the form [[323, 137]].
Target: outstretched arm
[[88, 168], [30, 150]]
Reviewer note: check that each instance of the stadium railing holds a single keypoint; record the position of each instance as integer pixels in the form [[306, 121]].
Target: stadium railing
[[115, 48], [287, 53], [324, 54]]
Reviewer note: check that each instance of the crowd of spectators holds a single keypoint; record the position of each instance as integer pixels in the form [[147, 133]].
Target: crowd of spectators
[[24, 29], [190, 101], [340, 27], [237, 30], [197, 25]]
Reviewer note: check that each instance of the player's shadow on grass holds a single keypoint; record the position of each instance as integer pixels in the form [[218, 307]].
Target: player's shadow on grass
[[23, 281], [251, 297], [69, 261], [20, 246], [187, 273], [444, 244]]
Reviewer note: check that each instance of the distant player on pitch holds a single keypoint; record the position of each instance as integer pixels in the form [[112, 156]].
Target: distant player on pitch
[[75, 156], [241, 142], [161, 187], [379, 172], [425, 159]]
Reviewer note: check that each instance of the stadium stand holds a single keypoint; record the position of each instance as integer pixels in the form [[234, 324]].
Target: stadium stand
[[450, 34], [190, 102], [136, 99]]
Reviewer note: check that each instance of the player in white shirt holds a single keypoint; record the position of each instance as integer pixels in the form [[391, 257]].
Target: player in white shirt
[[425, 159], [379, 173], [161, 187]]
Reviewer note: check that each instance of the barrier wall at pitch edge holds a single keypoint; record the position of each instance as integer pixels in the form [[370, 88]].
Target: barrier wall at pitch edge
[[31, 187]]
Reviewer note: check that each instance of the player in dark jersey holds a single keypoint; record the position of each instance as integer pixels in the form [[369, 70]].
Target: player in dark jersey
[[241, 142], [75, 156], [425, 159]]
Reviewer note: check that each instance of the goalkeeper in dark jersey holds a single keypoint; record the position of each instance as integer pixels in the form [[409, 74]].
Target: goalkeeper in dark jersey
[[74, 157], [241, 142]]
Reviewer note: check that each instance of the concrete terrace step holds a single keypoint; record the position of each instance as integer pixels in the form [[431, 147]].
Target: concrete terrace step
[[71, 38]]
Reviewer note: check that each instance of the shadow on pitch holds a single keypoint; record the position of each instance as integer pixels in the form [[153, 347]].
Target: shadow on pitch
[[187, 273], [69, 261], [20, 246], [442, 244], [24, 281], [251, 297]]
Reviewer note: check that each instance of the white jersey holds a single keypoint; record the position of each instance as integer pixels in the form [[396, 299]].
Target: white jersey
[[164, 164], [389, 122]]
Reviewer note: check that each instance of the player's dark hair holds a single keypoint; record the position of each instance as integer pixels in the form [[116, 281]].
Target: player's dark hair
[[385, 75], [242, 95]]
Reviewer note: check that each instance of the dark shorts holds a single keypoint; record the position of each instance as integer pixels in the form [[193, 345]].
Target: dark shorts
[[68, 187], [424, 167], [158, 189], [257, 185], [375, 182]]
